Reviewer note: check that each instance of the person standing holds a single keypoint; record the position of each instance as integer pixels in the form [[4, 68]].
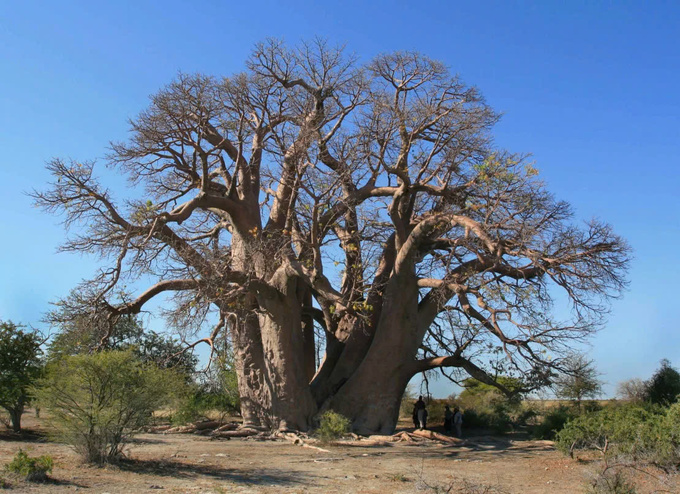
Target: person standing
[[420, 414], [458, 421], [448, 420]]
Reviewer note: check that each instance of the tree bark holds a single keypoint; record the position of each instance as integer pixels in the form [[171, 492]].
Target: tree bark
[[254, 389], [293, 406], [372, 396], [253, 385], [15, 418]]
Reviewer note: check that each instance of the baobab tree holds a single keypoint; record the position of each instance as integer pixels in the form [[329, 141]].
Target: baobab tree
[[364, 200]]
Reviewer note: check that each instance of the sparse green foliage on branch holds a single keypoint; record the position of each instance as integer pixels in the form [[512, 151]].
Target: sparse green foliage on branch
[[20, 366], [98, 401]]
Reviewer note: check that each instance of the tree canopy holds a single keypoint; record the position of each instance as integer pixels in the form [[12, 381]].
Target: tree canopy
[[77, 336], [579, 381], [314, 199], [20, 367], [663, 387]]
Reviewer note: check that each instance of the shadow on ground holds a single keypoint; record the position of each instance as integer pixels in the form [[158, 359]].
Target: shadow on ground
[[14, 483], [26, 435], [180, 470]]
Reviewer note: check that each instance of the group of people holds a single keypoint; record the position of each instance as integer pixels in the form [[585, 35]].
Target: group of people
[[452, 419]]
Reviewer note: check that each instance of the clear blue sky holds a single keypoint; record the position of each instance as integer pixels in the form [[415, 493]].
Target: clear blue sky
[[590, 88]]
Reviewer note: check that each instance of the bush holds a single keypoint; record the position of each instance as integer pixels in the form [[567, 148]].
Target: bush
[[644, 434], [497, 420], [197, 404], [553, 422], [217, 391], [98, 401], [332, 427], [484, 406], [32, 469], [526, 415], [435, 412], [611, 483]]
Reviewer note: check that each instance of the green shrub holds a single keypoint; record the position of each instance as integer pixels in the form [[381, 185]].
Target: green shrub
[[496, 419], [217, 392], [592, 406], [435, 412], [638, 433], [332, 427], [197, 404], [611, 483], [484, 406], [526, 415], [98, 401], [32, 469], [553, 422]]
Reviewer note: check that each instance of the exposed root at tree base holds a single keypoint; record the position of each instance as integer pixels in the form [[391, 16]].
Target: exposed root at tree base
[[218, 430]]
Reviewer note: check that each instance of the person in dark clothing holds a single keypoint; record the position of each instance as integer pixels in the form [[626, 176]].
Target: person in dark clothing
[[417, 406], [448, 420], [419, 414]]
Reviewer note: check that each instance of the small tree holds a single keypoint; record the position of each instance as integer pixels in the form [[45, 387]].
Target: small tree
[[20, 366], [579, 381], [217, 390], [664, 386], [98, 401], [78, 335], [633, 390]]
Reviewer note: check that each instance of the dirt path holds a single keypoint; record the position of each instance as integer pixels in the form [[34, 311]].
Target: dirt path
[[189, 463]]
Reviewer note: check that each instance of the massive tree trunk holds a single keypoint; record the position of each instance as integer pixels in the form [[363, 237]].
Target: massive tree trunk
[[282, 339], [372, 395], [253, 383], [273, 366]]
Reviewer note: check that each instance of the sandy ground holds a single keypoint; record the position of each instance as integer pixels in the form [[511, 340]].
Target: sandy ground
[[178, 463]]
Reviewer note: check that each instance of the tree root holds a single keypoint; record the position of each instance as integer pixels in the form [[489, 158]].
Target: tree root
[[218, 430]]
